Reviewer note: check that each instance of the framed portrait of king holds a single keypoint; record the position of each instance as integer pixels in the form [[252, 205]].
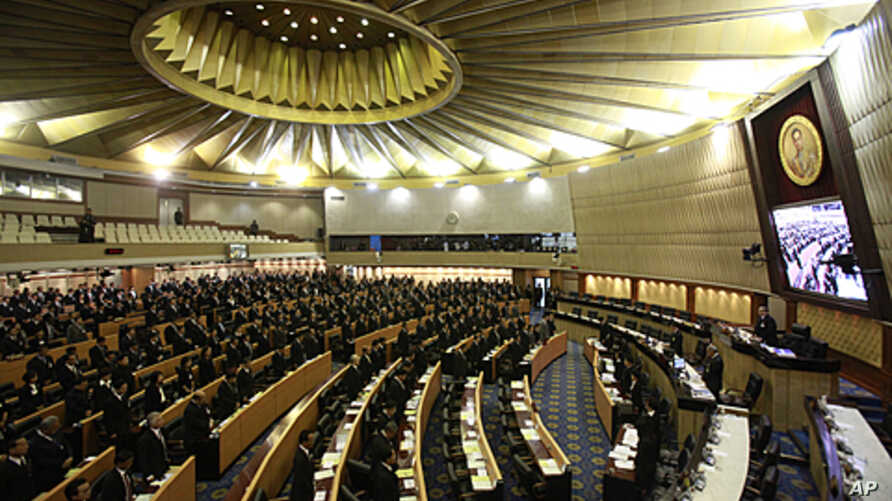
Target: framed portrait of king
[[801, 150]]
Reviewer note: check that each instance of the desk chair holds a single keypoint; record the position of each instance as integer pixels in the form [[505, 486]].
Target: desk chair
[[529, 480], [769, 458], [746, 398], [360, 476], [765, 489], [760, 436], [459, 481]]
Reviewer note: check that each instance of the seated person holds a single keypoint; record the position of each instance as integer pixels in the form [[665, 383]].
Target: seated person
[[118, 484], [50, 458], [78, 490], [378, 447], [151, 457]]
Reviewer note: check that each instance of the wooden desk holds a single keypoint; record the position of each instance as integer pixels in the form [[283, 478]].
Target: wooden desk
[[241, 429], [385, 333], [732, 456], [274, 471], [418, 412], [347, 440], [493, 358], [91, 471], [544, 355], [474, 442], [180, 486], [785, 382], [604, 404], [13, 370], [543, 448]]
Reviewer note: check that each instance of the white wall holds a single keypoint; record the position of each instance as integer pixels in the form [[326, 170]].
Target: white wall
[[122, 200], [528, 207], [298, 216]]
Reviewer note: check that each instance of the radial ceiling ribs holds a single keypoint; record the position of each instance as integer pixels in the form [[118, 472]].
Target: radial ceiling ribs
[[207, 53]]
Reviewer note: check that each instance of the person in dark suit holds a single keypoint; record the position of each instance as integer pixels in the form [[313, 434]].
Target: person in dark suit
[[648, 427], [245, 382], [99, 354], [30, 395], [118, 484], [78, 490], [16, 479], [766, 327], [207, 372], [397, 390], [42, 365], [459, 365], [715, 366], [302, 486], [635, 391], [380, 444], [278, 364], [116, 409], [351, 379], [197, 422], [151, 458], [77, 403], [385, 484], [67, 372], [51, 459], [402, 340], [155, 399], [227, 397]]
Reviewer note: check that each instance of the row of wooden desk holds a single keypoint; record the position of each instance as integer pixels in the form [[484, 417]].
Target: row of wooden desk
[[486, 478], [418, 412]]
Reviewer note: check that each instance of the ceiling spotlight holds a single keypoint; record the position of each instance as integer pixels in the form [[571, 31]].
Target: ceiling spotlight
[[583, 168], [228, 12], [260, 6], [439, 185], [161, 174], [663, 149], [253, 184], [265, 22], [372, 186], [286, 11], [314, 20], [340, 19], [332, 30], [283, 38], [359, 35], [364, 21], [313, 37], [509, 179], [391, 34], [294, 24], [342, 46]]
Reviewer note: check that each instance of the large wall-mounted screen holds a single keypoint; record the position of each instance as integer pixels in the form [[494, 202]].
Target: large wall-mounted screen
[[238, 251], [811, 236]]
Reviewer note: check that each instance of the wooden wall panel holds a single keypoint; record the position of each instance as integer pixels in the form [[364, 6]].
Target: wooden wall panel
[[663, 294], [615, 287], [854, 335], [122, 200], [724, 305], [290, 215], [684, 214], [861, 68]]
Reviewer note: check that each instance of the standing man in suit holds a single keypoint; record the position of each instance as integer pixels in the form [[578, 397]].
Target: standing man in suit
[[351, 380], [99, 354], [78, 490], [648, 427], [385, 484], [16, 479], [151, 457], [227, 397], [302, 486], [116, 409], [766, 327], [197, 422], [715, 366], [118, 484], [51, 457], [379, 446]]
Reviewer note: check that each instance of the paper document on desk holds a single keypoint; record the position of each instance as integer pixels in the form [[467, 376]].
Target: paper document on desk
[[608, 378], [408, 498], [323, 474], [520, 406], [405, 473], [407, 445], [330, 459], [320, 496], [529, 434], [470, 446], [517, 385], [481, 482], [549, 467], [409, 484], [624, 464]]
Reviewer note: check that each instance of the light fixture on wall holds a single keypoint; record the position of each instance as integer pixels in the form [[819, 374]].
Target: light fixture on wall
[[582, 169]]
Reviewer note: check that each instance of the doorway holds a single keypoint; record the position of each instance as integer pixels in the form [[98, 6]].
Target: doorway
[[541, 286], [167, 207]]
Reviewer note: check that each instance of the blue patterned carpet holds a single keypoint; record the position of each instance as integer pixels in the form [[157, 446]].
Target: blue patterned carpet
[[208, 491]]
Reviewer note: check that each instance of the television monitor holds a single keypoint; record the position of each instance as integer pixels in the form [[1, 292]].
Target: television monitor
[[237, 251], [811, 235], [678, 363]]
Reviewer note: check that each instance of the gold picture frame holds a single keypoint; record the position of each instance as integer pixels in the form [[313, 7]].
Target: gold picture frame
[[801, 150]]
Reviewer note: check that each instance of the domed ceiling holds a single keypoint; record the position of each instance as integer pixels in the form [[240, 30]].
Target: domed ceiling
[[317, 92]]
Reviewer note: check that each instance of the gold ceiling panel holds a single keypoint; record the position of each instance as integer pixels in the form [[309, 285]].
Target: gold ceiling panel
[[423, 89]]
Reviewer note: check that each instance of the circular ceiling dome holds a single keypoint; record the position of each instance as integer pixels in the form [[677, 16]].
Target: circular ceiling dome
[[309, 61]]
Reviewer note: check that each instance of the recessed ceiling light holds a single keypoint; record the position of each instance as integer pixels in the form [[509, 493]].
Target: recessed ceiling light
[[333, 30], [663, 149], [372, 186], [340, 19], [314, 20], [359, 35], [439, 185], [161, 174], [342, 46], [228, 12], [260, 6], [583, 168], [253, 184], [294, 24], [283, 38], [391, 34], [364, 21], [265, 22], [509, 179], [313, 37], [286, 11]]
